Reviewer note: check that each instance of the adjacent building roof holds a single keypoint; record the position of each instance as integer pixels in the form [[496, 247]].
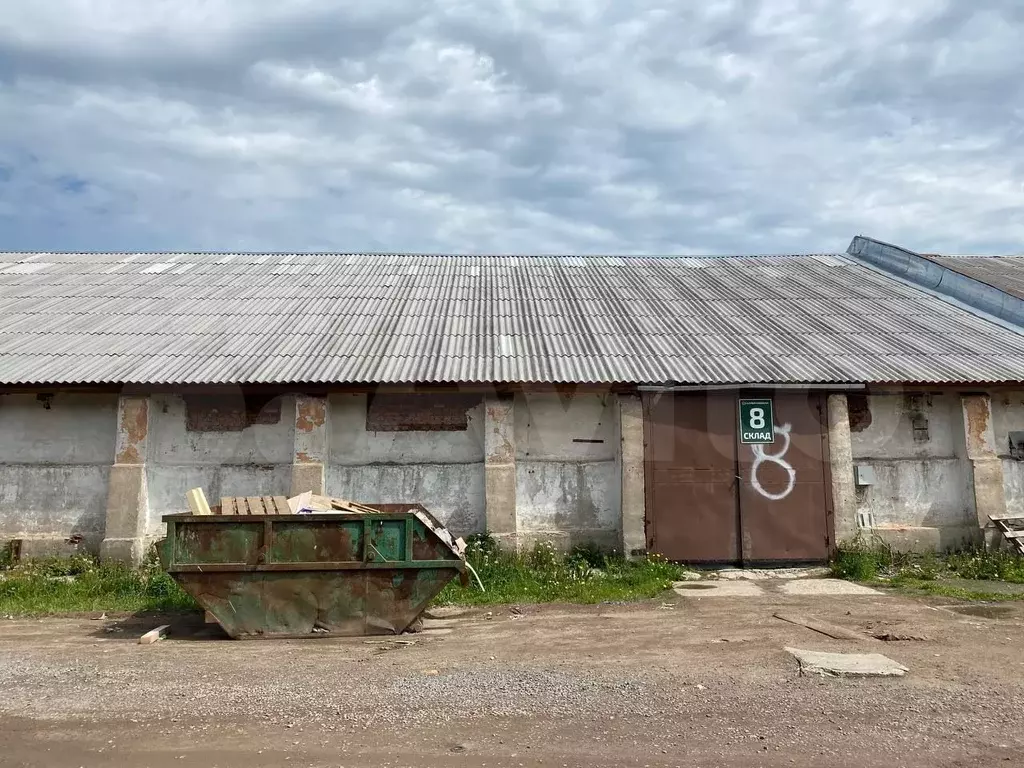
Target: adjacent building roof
[[942, 275], [1003, 272], [345, 318]]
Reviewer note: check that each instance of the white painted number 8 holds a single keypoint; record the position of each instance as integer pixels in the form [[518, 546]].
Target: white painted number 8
[[757, 418]]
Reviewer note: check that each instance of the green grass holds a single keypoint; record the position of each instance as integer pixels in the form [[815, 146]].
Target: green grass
[[543, 575], [941, 589], [875, 562], [79, 584]]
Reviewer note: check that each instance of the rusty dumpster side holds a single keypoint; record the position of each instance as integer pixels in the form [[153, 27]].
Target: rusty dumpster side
[[312, 574]]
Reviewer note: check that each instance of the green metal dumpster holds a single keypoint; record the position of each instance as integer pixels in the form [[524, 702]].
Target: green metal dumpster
[[312, 575]]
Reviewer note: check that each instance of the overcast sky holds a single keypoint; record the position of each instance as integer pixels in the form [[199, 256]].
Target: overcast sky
[[719, 126]]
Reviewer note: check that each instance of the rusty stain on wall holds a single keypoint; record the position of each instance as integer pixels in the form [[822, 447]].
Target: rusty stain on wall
[[134, 428], [976, 411], [500, 447], [311, 412]]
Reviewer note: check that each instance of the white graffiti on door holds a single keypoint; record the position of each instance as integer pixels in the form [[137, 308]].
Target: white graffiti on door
[[775, 458]]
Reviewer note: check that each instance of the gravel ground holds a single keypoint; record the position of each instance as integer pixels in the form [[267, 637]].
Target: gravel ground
[[684, 681]]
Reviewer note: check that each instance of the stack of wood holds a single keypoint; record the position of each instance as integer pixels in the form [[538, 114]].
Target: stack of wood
[[304, 503]]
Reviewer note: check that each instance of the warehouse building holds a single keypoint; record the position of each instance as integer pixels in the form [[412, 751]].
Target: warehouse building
[[718, 409]]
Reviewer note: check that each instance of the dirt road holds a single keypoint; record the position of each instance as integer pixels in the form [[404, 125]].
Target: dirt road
[[680, 682]]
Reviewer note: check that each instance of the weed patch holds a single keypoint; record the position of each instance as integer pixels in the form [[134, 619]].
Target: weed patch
[[543, 574], [875, 561], [80, 584], [949, 590], [586, 575]]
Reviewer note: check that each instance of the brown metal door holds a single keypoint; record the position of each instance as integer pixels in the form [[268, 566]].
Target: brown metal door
[[690, 463], [783, 495]]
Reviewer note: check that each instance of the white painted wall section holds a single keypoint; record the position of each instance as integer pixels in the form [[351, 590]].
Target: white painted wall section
[[55, 464]]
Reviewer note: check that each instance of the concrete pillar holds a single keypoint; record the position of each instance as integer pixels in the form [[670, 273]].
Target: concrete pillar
[[984, 464], [631, 465], [311, 445], [124, 537], [500, 470], [840, 448]]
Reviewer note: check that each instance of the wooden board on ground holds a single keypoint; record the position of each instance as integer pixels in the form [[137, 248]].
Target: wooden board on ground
[[154, 635], [830, 630]]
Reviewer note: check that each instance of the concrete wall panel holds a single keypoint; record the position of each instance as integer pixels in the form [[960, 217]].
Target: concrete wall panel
[[891, 432], [443, 470], [1013, 480], [168, 485], [1008, 416], [568, 496], [55, 464], [352, 445], [255, 461], [914, 442], [929, 493], [170, 443], [550, 427], [568, 476], [454, 493], [55, 500], [75, 429]]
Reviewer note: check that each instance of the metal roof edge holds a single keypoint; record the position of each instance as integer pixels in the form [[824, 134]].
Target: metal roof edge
[[927, 274]]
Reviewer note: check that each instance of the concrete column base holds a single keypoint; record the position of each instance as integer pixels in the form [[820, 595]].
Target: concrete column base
[[129, 551], [124, 536], [127, 513], [510, 542]]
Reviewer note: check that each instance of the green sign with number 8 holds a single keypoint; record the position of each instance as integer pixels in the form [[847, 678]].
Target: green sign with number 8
[[757, 422]]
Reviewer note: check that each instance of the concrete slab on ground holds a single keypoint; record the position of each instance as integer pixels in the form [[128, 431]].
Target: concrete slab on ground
[[826, 587], [763, 574], [717, 589], [846, 664]]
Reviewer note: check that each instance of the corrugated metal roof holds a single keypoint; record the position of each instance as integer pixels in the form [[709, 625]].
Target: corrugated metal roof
[[347, 318], [1003, 272]]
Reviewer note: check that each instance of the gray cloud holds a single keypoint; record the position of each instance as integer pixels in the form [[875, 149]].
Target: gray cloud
[[548, 125]]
